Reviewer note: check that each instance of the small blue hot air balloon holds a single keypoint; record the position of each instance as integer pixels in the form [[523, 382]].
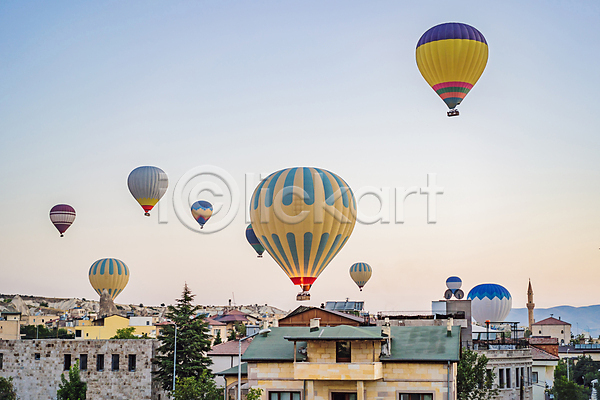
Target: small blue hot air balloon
[[202, 210], [490, 302], [254, 242]]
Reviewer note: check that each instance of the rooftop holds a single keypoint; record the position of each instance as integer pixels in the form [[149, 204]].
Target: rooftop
[[229, 348], [551, 321]]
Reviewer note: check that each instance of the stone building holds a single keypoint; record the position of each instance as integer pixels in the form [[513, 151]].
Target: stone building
[[113, 369], [353, 363], [512, 366], [553, 327]]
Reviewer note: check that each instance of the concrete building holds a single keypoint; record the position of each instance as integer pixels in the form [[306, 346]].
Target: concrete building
[[512, 367], [105, 328], [302, 316], [113, 369], [543, 366], [10, 325], [224, 356], [353, 363], [553, 327]]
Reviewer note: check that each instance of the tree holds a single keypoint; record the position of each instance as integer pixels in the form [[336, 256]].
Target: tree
[[125, 333], [74, 388], [564, 389], [218, 339], [193, 342], [474, 380], [254, 394], [202, 388], [7, 390]]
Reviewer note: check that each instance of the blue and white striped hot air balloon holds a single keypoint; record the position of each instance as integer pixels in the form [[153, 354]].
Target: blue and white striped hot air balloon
[[453, 283], [490, 302]]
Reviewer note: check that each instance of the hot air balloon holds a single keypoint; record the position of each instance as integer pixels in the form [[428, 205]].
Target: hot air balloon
[[62, 216], [110, 274], [303, 217], [254, 242], [453, 284], [202, 210], [451, 58], [147, 185], [490, 302], [360, 274]]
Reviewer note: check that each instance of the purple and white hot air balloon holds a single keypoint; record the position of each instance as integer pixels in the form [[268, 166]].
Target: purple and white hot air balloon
[[62, 216]]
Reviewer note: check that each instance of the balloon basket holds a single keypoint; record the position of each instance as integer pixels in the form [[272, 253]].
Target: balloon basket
[[303, 296], [453, 113], [61, 235], [147, 214], [259, 256]]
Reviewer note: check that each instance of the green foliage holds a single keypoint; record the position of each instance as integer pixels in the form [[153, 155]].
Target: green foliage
[[74, 388], [43, 304], [218, 339], [42, 332], [238, 331], [254, 394], [125, 333], [193, 342], [202, 388], [7, 391], [564, 389], [474, 380]]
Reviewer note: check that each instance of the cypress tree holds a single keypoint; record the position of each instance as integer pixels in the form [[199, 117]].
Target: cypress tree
[[193, 342]]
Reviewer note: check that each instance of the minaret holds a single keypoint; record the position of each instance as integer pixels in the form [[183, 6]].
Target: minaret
[[530, 306]]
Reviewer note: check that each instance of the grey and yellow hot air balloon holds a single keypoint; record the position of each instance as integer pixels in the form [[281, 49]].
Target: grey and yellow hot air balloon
[[147, 185]]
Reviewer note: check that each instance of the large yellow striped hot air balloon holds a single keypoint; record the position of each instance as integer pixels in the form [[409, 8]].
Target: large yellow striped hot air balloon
[[110, 274], [451, 58], [303, 217]]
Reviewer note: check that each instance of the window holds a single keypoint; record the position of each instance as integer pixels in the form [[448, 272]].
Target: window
[[534, 378], [67, 362], [115, 362], [77, 332], [147, 322], [343, 396], [540, 332], [508, 383], [284, 395], [37, 356], [416, 396], [501, 378], [100, 362], [562, 331], [342, 352], [83, 362], [517, 381], [1, 360], [132, 362]]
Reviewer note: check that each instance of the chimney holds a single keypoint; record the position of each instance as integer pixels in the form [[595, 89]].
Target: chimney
[[449, 324], [314, 324], [386, 331], [265, 324], [229, 302], [559, 317]]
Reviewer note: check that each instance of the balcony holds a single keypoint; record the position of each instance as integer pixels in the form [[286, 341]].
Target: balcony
[[338, 371]]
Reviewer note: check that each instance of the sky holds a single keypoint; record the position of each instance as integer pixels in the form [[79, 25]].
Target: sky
[[89, 91]]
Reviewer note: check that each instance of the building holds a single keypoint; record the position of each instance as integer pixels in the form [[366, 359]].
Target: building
[[10, 325], [121, 368], [353, 363], [105, 328], [512, 366], [302, 316], [530, 307], [543, 366], [226, 355], [553, 327]]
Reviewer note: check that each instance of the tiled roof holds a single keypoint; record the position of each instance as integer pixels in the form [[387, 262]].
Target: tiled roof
[[551, 321], [543, 340], [541, 355], [409, 343], [228, 348]]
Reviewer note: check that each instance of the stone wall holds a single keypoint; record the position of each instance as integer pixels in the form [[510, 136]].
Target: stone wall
[[36, 366]]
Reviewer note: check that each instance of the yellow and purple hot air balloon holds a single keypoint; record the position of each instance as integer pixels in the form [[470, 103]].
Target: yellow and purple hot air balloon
[[147, 185], [110, 274], [254, 242], [360, 274], [201, 211], [303, 217], [62, 216], [451, 58]]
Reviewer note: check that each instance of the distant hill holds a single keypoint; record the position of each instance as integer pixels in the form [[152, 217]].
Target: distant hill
[[581, 318]]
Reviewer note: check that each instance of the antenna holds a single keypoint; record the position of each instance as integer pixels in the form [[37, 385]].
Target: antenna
[[233, 297]]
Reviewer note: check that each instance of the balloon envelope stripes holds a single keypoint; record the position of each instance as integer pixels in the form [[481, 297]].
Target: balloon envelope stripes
[[110, 274]]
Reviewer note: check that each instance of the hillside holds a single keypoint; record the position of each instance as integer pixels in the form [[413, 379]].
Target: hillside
[[581, 318]]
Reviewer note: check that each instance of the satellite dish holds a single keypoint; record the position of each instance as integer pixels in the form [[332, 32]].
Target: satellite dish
[[459, 294], [448, 294]]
